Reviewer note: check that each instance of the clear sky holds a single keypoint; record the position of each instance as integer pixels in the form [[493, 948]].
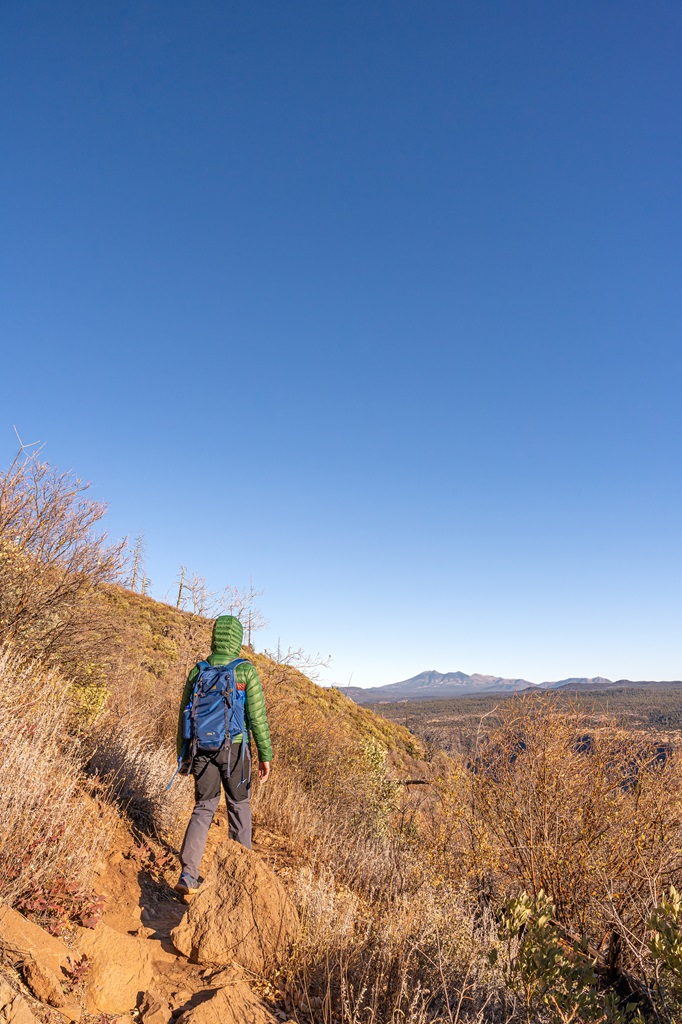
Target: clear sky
[[378, 303]]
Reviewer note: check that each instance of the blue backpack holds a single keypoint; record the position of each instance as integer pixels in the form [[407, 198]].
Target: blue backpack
[[216, 710], [215, 713]]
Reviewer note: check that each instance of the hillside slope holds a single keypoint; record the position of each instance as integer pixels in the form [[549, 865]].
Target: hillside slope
[[154, 645], [326, 808]]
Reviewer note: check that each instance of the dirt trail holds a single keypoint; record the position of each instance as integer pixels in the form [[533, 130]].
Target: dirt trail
[[140, 911], [137, 881]]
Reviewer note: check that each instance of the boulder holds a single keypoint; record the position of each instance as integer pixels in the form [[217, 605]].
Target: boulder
[[232, 1004], [13, 1007], [154, 1010], [241, 914], [41, 956], [179, 998], [120, 969], [43, 984], [21, 941]]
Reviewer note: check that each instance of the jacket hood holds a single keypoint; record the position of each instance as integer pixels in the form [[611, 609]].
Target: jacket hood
[[226, 642]]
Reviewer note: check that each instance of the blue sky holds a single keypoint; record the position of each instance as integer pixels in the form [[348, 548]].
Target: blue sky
[[376, 303]]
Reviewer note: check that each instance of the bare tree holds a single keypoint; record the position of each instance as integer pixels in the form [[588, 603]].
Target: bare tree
[[137, 572], [201, 600], [181, 583], [241, 602], [311, 665], [52, 556], [194, 595]]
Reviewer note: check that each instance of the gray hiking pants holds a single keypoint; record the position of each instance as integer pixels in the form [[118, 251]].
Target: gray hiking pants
[[209, 771]]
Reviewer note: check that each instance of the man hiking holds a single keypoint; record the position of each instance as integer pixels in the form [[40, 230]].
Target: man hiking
[[231, 763]]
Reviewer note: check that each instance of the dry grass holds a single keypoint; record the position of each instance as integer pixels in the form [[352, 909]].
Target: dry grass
[[137, 774], [385, 937], [417, 958], [51, 831]]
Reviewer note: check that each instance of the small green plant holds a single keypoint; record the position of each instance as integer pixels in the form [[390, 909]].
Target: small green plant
[[550, 972], [89, 699], [383, 791], [665, 946], [541, 967], [665, 922]]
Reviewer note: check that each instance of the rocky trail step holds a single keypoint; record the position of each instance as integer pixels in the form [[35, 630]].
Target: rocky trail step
[[155, 958]]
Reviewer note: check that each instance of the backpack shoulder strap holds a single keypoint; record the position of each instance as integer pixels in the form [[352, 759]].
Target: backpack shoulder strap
[[232, 669], [201, 665], [237, 662]]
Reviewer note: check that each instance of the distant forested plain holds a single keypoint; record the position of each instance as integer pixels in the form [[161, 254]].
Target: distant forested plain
[[458, 724]]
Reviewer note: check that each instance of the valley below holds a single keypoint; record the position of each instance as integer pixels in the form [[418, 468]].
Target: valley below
[[457, 725]]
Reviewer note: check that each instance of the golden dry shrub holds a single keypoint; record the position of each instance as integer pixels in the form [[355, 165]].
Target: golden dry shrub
[[335, 789], [52, 831], [52, 559], [592, 818]]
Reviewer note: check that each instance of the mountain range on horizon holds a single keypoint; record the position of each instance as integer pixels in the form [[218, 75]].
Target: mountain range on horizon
[[432, 684]]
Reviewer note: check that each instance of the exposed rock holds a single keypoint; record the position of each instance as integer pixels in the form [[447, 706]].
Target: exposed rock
[[22, 941], [44, 984], [70, 1012], [240, 914], [120, 969], [179, 998], [154, 1010], [233, 1004], [230, 976], [13, 1007], [41, 956]]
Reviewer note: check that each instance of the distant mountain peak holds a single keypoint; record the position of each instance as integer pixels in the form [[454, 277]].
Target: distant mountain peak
[[433, 684]]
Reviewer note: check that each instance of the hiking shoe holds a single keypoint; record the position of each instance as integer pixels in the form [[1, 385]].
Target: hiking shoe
[[186, 885]]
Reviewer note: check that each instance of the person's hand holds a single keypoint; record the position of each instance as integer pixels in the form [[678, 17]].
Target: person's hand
[[185, 767], [263, 770]]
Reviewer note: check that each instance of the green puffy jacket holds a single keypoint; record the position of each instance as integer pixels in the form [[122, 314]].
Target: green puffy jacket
[[225, 647]]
